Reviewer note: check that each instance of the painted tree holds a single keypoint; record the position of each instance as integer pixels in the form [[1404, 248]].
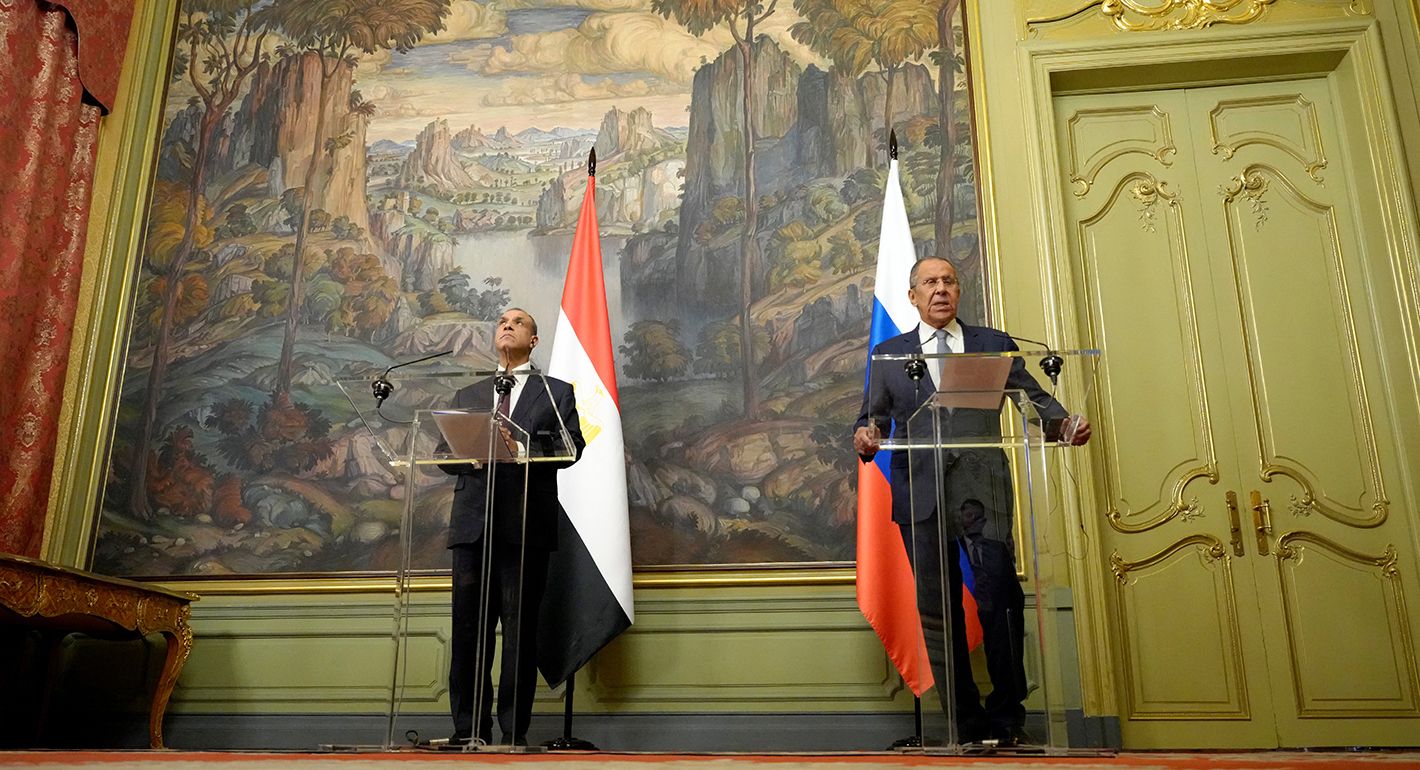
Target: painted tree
[[337, 31], [856, 34], [653, 351], [220, 44], [859, 34], [741, 17]]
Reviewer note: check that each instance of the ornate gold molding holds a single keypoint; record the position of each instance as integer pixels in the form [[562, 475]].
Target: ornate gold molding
[[1148, 193], [1303, 506], [1182, 14], [1084, 171], [1308, 502], [1209, 547], [1185, 14], [1287, 549], [1353, 8], [1312, 145], [1252, 186], [1178, 507], [818, 574]]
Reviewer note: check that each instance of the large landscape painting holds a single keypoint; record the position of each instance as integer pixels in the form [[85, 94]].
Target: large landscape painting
[[342, 185]]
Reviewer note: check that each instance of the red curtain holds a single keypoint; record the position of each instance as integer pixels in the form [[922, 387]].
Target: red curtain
[[48, 144]]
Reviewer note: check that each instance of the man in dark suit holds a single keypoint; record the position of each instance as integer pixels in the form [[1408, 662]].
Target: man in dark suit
[[516, 548], [976, 483]]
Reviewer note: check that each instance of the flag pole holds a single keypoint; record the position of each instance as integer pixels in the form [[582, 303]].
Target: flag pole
[[912, 741], [568, 742]]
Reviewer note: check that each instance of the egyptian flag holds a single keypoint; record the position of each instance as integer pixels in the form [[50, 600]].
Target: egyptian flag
[[588, 598], [886, 590]]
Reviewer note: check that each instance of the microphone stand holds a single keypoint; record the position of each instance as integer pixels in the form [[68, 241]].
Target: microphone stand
[[1051, 364], [382, 388]]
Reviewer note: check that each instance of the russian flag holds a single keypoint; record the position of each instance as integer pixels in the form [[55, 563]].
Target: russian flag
[[588, 600], [885, 587]]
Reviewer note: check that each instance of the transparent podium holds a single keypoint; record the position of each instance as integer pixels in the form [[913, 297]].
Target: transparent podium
[[978, 445], [471, 447]]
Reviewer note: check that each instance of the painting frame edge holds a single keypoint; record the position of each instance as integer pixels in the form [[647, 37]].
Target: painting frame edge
[[118, 204], [987, 220], [435, 581]]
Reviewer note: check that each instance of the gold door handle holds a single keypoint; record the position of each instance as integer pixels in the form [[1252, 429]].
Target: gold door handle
[[1261, 520], [1235, 523]]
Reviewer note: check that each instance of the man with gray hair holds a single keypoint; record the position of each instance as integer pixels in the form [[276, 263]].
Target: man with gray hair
[[977, 483]]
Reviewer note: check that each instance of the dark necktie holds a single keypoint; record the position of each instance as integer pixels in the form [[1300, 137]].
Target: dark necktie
[[503, 400]]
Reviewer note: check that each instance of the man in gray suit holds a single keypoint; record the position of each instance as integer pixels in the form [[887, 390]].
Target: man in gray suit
[[977, 484]]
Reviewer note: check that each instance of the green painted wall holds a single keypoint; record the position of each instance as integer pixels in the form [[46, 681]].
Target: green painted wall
[[692, 649]]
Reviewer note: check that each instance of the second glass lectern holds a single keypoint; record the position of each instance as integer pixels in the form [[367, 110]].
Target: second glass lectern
[[977, 444], [472, 447]]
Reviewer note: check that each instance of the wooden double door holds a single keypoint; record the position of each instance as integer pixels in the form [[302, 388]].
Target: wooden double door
[[1256, 500]]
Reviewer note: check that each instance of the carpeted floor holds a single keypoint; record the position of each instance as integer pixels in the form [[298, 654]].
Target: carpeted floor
[[64, 760]]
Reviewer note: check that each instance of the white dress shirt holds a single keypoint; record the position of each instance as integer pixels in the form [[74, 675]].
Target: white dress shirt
[[520, 379], [956, 343]]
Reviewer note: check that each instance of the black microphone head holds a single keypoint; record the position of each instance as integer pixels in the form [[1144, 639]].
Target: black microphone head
[[916, 369], [381, 388], [503, 384], [1051, 365]]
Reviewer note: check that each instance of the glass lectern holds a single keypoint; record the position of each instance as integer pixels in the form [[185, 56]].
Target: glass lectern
[[977, 443], [466, 443]]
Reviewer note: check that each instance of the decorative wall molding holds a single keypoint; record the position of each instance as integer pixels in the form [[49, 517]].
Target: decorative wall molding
[[1295, 112], [1253, 187], [1152, 137], [1137, 16], [1155, 15]]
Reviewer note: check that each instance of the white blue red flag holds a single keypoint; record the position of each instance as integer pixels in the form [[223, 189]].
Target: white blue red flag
[[885, 587]]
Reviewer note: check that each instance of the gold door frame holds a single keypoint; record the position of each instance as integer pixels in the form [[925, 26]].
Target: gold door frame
[[1348, 49]]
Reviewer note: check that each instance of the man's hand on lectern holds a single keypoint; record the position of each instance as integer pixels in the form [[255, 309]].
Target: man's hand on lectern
[[508, 439], [1077, 430], [867, 440]]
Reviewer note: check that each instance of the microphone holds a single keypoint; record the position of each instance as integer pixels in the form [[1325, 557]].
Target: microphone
[[916, 369], [503, 384], [1051, 364], [381, 388]]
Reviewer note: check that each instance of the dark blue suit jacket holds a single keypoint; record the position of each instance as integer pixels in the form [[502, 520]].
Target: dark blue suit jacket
[[981, 475], [536, 412]]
